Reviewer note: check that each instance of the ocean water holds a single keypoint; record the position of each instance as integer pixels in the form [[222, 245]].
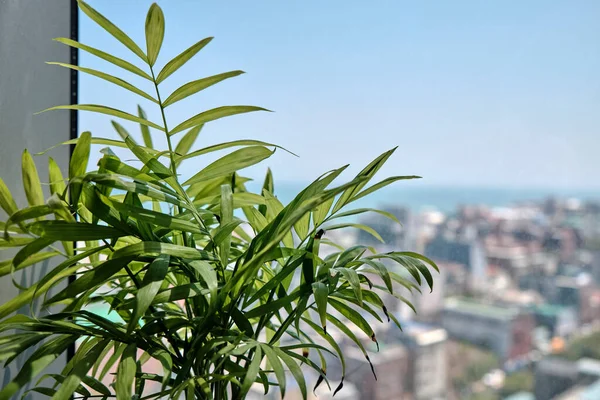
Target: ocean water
[[417, 196]]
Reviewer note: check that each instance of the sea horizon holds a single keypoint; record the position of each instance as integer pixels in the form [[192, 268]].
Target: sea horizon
[[445, 198]]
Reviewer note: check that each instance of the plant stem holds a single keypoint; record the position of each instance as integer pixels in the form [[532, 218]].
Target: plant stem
[[171, 154], [192, 208]]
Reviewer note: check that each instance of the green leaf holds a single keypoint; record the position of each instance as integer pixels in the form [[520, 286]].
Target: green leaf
[[226, 217], [213, 114], [154, 218], [362, 227], [410, 260], [364, 210], [95, 384], [224, 231], [138, 187], [308, 264], [198, 85], [321, 293], [157, 248], [419, 257], [91, 279], [368, 172], [382, 184], [399, 297], [57, 182], [58, 273], [294, 369], [81, 155], [335, 346], [80, 370], [107, 111], [31, 181], [181, 59], [6, 266], [109, 78], [74, 231], [276, 366], [25, 214], [208, 275], [106, 57], [167, 363], [111, 28], [146, 136], [274, 209], [36, 363], [269, 186], [280, 227], [382, 271], [155, 32], [153, 280], [152, 162], [126, 373], [349, 296], [227, 145], [186, 143], [42, 390], [320, 213], [113, 164], [95, 140], [353, 316], [6, 200], [177, 293], [31, 249], [352, 277], [272, 306], [252, 372], [14, 345], [302, 226], [117, 352], [231, 163]]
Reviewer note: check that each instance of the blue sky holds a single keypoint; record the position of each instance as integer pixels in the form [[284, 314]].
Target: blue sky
[[474, 93]]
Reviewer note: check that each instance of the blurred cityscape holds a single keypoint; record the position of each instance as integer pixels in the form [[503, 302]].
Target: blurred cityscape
[[514, 313]]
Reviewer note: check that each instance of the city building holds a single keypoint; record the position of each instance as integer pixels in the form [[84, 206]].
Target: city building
[[580, 293], [468, 252], [559, 321], [391, 364], [410, 364], [553, 376], [586, 385], [396, 236], [426, 349], [507, 331]]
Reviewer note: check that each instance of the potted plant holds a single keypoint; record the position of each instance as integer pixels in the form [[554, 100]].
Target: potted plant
[[222, 287]]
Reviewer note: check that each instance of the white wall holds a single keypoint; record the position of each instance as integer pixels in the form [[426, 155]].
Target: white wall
[[27, 85]]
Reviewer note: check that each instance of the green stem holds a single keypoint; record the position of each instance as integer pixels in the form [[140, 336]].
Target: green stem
[[189, 201], [171, 154]]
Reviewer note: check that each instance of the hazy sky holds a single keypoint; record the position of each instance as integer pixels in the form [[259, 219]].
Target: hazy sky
[[494, 93]]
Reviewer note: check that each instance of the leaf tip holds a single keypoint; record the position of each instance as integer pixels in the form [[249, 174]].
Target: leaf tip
[[43, 111], [340, 386]]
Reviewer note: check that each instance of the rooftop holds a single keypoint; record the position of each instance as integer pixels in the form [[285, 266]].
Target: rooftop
[[423, 334], [589, 366], [549, 310], [557, 366], [521, 396], [592, 392], [467, 306]]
